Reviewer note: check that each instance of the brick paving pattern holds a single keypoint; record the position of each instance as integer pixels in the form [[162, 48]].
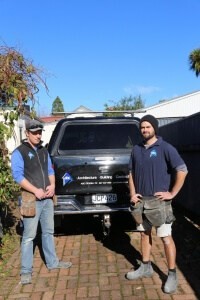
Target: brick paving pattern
[[99, 268]]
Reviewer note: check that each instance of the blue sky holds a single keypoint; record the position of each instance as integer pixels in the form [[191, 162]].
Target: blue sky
[[98, 51]]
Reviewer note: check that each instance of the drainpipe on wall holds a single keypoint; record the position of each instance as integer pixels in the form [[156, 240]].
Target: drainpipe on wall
[[21, 125]]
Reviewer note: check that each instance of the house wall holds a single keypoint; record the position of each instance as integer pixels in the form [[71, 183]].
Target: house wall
[[48, 130], [19, 133], [178, 107]]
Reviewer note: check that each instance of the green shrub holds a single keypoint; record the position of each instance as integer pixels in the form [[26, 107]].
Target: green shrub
[[8, 188]]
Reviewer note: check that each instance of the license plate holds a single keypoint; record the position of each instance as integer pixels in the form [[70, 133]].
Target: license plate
[[104, 198]]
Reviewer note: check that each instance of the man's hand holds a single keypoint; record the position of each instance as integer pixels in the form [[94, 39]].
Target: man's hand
[[164, 196], [50, 190], [39, 194], [135, 198]]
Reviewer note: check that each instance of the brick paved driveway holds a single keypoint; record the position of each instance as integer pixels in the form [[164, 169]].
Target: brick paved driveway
[[99, 265]]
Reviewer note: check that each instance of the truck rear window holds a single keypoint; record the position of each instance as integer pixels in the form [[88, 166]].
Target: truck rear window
[[101, 136]]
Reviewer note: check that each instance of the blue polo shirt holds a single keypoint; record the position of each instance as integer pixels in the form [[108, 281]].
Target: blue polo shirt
[[152, 167]]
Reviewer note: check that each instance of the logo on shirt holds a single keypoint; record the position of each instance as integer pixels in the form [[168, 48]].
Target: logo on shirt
[[30, 155], [67, 178], [153, 153]]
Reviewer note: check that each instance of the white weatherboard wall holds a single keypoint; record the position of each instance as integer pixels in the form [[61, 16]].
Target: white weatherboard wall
[[177, 107], [48, 130], [19, 133]]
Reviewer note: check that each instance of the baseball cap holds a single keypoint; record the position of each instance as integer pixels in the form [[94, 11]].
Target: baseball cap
[[34, 125]]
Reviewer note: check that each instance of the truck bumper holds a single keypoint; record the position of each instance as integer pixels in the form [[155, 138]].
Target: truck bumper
[[68, 205]]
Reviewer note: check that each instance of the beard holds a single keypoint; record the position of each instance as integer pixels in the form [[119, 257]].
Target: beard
[[148, 136]]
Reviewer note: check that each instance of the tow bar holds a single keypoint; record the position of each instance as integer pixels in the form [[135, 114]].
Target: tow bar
[[106, 224]]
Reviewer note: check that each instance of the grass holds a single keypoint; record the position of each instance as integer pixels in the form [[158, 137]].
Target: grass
[[8, 245]]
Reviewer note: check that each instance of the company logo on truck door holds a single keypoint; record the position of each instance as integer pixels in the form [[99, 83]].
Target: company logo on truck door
[[67, 178], [86, 177]]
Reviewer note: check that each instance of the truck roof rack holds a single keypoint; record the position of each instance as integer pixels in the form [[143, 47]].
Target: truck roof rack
[[67, 113]]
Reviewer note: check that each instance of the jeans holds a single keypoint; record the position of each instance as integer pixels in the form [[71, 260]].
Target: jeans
[[44, 214]]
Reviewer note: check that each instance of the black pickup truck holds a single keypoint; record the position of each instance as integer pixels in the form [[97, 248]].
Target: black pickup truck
[[90, 156]]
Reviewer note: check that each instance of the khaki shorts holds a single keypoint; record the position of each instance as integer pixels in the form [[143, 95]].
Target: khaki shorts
[[161, 231]]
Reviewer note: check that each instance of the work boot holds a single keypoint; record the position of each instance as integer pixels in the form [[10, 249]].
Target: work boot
[[171, 283], [26, 278], [62, 265], [145, 270]]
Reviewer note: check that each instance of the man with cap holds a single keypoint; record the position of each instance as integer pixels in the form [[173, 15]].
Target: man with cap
[[32, 170], [153, 164]]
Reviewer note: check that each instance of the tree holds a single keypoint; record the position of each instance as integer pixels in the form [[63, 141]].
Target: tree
[[194, 61], [19, 81], [125, 103], [19, 78], [57, 105]]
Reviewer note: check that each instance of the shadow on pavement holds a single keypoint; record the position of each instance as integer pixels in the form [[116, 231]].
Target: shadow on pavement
[[186, 234], [117, 240]]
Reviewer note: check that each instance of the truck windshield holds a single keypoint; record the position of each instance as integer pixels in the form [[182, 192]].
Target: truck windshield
[[99, 136]]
